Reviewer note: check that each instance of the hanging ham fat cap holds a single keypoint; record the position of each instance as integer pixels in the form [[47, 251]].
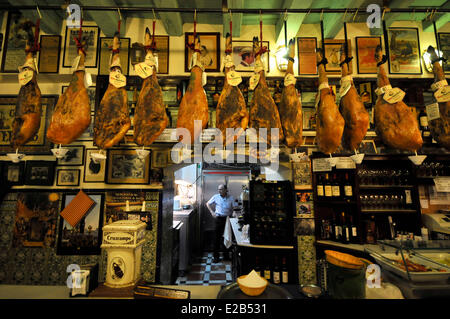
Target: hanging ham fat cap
[[72, 114], [150, 117], [263, 110], [329, 122], [290, 107], [27, 117], [440, 127], [194, 104], [231, 109], [112, 118], [352, 109], [395, 123]]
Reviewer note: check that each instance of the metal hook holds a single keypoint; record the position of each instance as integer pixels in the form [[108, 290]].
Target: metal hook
[[154, 15], [345, 14], [195, 15], [39, 12], [356, 13], [285, 15], [231, 16], [120, 15], [382, 16], [413, 14], [321, 16], [308, 13], [432, 14]]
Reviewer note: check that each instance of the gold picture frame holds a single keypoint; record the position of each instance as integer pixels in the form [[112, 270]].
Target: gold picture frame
[[125, 167], [209, 40]]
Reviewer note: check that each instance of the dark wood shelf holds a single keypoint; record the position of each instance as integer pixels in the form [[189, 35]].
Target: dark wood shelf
[[335, 202], [392, 211], [384, 186]]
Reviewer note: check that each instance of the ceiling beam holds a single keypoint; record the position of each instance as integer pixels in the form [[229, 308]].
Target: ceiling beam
[[293, 21], [334, 22], [440, 20], [107, 20], [172, 21], [236, 17]]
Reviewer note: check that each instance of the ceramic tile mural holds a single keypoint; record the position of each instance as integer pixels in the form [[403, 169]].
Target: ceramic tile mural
[[41, 266]]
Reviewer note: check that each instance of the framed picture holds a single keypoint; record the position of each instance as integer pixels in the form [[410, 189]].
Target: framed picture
[[13, 172], [40, 173], [74, 156], [332, 50], [307, 61], [105, 55], [301, 175], [70, 49], [444, 44], [210, 50], [125, 167], [67, 177], [159, 158], [39, 143], [243, 57], [404, 51], [365, 54], [367, 147], [49, 54], [93, 172], [36, 219], [91, 95], [86, 237], [15, 41], [162, 47]]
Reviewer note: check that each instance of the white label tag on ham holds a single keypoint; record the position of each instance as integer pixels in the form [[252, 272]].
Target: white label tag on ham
[[87, 80], [25, 76], [289, 79], [150, 59], [382, 90], [234, 78], [143, 69], [433, 111], [437, 85], [254, 80], [227, 62], [443, 94], [345, 87], [394, 95], [117, 79]]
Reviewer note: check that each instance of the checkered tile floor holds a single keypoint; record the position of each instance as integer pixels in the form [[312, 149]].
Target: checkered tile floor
[[204, 271]]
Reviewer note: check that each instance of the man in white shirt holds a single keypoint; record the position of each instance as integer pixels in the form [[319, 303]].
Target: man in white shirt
[[224, 204]]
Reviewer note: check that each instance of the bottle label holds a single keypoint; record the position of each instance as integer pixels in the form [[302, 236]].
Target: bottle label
[[347, 234], [267, 274], [354, 231], [433, 111], [338, 231], [285, 277], [328, 191], [276, 277], [320, 190], [348, 190], [336, 191], [423, 121]]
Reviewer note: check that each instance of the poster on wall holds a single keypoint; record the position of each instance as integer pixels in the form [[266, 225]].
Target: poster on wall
[[36, 219], [15, 41], [365, 54], [332, 53], [49, 54], [90, 36], [209, 51], [307, 60], [404, 51]]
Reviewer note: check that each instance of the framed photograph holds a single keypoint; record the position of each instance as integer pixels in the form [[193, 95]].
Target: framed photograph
[[125, 167], [40, 173], [307, 61], [39, 145], [243, 57], [210, 50], [91, 33], [91, 95], [404, 51], [36, 219], [444, 44], [67, 177], [74, 156], [93, 172], [15, 41], [333, 54], [13, 172], [105, 55], [365, 54], [301, 175], [86, 237], [159, 158], [49, 54]]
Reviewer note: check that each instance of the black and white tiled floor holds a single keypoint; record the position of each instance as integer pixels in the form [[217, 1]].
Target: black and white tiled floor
[[204, 271]]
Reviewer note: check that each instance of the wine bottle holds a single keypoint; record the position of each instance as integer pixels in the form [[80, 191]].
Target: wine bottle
[[257, 268], [348, 189], [267, 272], [333, 229], [284, 272], [423, 121], [276, 274], [345, 238], [353, 231], [327, 187], [335, 188], [338, 231], [320, 188]]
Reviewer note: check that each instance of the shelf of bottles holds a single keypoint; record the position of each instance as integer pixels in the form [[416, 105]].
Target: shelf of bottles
[[276, 267]]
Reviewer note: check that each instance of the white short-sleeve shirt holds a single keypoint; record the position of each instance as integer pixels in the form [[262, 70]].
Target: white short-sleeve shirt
[[224, 205]]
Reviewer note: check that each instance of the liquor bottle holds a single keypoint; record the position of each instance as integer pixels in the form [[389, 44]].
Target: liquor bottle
[[257, 268], [423, 121], [338, 231], [335, 188], [353, 231], [276, 274], [333, 229], [327, 188], [267, 272], [348, 189], [345, 238], [284, 271], [320, 187]]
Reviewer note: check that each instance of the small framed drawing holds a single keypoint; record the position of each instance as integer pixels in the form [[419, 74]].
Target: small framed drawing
[[49, 54], [74, 156], [444, 44], [159, 158], [404, 51], [105, 55], [301, 175], [244, 59], [40, 173], [332, 50], [365, 54], [90, 35], [67, 177], [125, 167], [210, 50], [85, 237], [307, 60], [93, 172], [13, 173]]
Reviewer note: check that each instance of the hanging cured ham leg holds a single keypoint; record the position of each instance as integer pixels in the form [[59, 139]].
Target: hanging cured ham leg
[[72, 114], [231, 108], [440, 127], [330, 123], [150, 117], [112, 118], [263, 110], [290, 106], [194, 104], [27, 117], [352, 109], [395, 122]]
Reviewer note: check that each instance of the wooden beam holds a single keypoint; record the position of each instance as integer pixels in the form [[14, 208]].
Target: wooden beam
[[237, 18], [172, 21], [106, 20], [441, 19], [293, 21]]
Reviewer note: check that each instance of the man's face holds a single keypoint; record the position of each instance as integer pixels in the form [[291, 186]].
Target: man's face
[[222, 191]]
